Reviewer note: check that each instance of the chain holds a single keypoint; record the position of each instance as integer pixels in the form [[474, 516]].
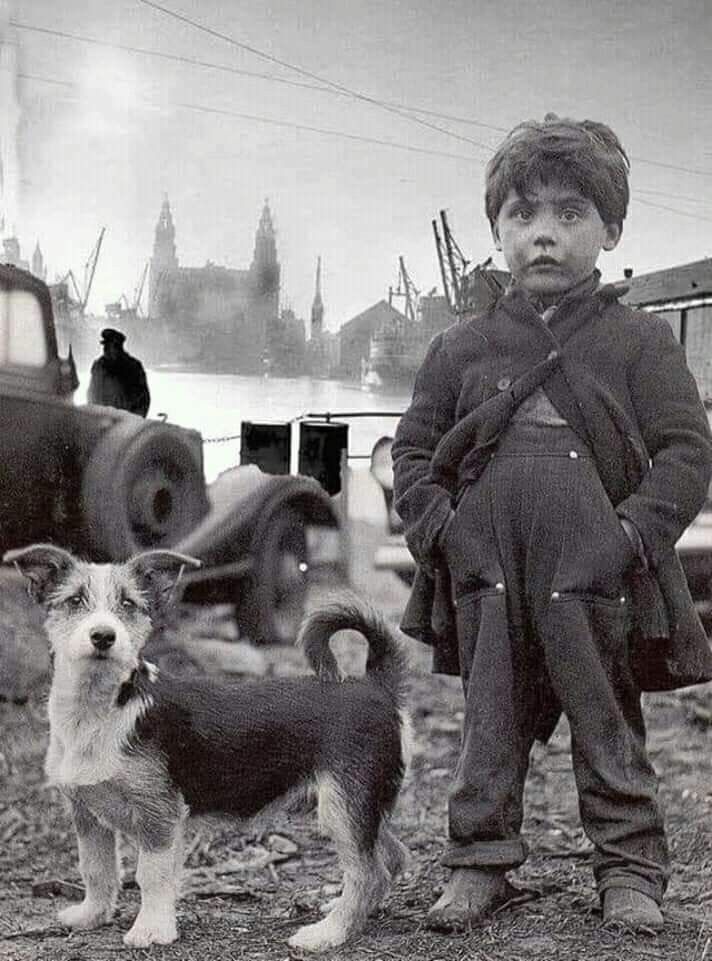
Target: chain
[[220, 440]]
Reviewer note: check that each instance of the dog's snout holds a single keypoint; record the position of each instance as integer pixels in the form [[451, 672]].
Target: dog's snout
[[103, 638]]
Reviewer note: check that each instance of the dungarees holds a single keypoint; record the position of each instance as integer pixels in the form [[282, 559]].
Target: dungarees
[[537, 556]]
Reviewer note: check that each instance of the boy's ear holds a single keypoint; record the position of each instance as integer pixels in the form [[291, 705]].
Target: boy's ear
[[612, 236], [495, 237]]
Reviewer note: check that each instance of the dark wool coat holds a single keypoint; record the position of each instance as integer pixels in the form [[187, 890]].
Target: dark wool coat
[[120, 383], [620, 379]]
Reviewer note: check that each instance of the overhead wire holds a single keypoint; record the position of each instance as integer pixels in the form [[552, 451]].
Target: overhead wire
[[241, 71], [324, 85], [357, 95], [330, 86], [332, 133], [673, 210], [324, 131], [664, 193], [278, 123]]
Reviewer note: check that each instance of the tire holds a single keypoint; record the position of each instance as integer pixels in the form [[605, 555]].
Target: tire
[[272, 606], [142, 488]]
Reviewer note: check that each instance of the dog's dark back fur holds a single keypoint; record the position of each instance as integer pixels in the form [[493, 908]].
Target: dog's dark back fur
[[228, 751]]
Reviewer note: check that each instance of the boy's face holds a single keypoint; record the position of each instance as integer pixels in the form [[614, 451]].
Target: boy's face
[[551, 238]]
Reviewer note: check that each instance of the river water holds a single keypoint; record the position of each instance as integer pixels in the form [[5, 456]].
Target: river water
[[216, 405]]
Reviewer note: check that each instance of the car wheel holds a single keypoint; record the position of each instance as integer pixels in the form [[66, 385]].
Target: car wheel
[[142, 488], [272, 606]]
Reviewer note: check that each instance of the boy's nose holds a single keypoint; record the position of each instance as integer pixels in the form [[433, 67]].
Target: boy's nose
[[103, 638], [545, 231]]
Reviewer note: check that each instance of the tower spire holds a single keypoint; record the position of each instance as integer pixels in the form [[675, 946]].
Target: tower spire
[[164, 257], [317, 311], [38, 265], [265, 240], [265, 265]]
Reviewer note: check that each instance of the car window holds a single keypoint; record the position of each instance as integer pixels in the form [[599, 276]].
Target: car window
[[23, 340]]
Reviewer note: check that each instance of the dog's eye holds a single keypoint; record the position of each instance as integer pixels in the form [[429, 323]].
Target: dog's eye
[[128, 604], [75, 601]]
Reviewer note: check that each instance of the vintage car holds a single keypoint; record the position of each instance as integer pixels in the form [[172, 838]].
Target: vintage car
[[106, 483]]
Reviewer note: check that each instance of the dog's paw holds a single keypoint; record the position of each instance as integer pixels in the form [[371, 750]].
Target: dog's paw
[[320, 936], [84, 916], [328, 906], [143, 933]]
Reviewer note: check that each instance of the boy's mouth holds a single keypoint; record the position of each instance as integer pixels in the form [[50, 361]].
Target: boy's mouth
[[544, 262]]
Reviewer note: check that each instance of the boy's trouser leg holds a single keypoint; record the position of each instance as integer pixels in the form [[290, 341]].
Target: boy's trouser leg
[[485, 807], [584, 642]]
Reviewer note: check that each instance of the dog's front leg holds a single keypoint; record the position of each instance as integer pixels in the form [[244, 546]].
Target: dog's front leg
[[158, 875], [99, 870]]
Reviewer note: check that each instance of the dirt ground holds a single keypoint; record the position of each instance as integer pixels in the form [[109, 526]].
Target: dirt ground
[[247, 891]]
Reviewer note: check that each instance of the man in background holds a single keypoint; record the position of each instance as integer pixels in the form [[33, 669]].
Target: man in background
[[117, 378]]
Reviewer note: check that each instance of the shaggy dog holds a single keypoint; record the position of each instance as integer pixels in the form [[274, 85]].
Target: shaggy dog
[[136, 751]]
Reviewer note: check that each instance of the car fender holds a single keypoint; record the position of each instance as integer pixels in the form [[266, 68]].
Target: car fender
[[241, 502]]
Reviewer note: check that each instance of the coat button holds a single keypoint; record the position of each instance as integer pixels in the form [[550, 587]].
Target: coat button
[[555, 596], [503, 383], [573, 454], [499, 587], [552, 355]]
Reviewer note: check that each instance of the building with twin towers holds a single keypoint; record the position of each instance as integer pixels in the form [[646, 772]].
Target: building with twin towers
[[213, 318]]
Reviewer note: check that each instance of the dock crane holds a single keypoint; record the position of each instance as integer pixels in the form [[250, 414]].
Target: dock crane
[[77, 304], [459, 279], [123, 310], [69, 300], [138, 293], [407, 290]]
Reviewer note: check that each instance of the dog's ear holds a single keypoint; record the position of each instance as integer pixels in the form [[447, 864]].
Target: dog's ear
[[161, 570], [162, 560], [44, 565]]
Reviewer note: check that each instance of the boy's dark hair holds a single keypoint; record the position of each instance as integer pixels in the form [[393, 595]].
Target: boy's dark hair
[[582, 154]]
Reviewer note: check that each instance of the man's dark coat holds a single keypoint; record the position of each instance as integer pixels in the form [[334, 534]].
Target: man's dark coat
[[119, 382], [620, 379]]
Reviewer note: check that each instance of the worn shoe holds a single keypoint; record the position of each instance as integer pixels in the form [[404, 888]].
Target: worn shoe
[[631, 908], [469, 897]]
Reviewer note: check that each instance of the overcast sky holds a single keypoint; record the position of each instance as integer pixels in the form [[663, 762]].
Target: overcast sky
[[105, 132]]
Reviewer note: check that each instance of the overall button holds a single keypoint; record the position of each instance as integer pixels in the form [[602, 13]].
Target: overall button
[[552, 355], [573, 454], [503, 383]]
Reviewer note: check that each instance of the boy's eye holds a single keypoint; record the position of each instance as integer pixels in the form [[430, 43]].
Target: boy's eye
[[522, 213], [570, 215]]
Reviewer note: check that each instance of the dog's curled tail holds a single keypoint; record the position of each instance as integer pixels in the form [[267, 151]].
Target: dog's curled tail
[[386, 662]]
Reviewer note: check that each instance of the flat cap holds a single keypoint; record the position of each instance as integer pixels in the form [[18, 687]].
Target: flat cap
[[111, 336]]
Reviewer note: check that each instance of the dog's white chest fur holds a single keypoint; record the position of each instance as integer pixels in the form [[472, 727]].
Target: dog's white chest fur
[[86, 746]]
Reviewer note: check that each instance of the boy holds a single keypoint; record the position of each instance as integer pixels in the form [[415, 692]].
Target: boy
[[554, 450]]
